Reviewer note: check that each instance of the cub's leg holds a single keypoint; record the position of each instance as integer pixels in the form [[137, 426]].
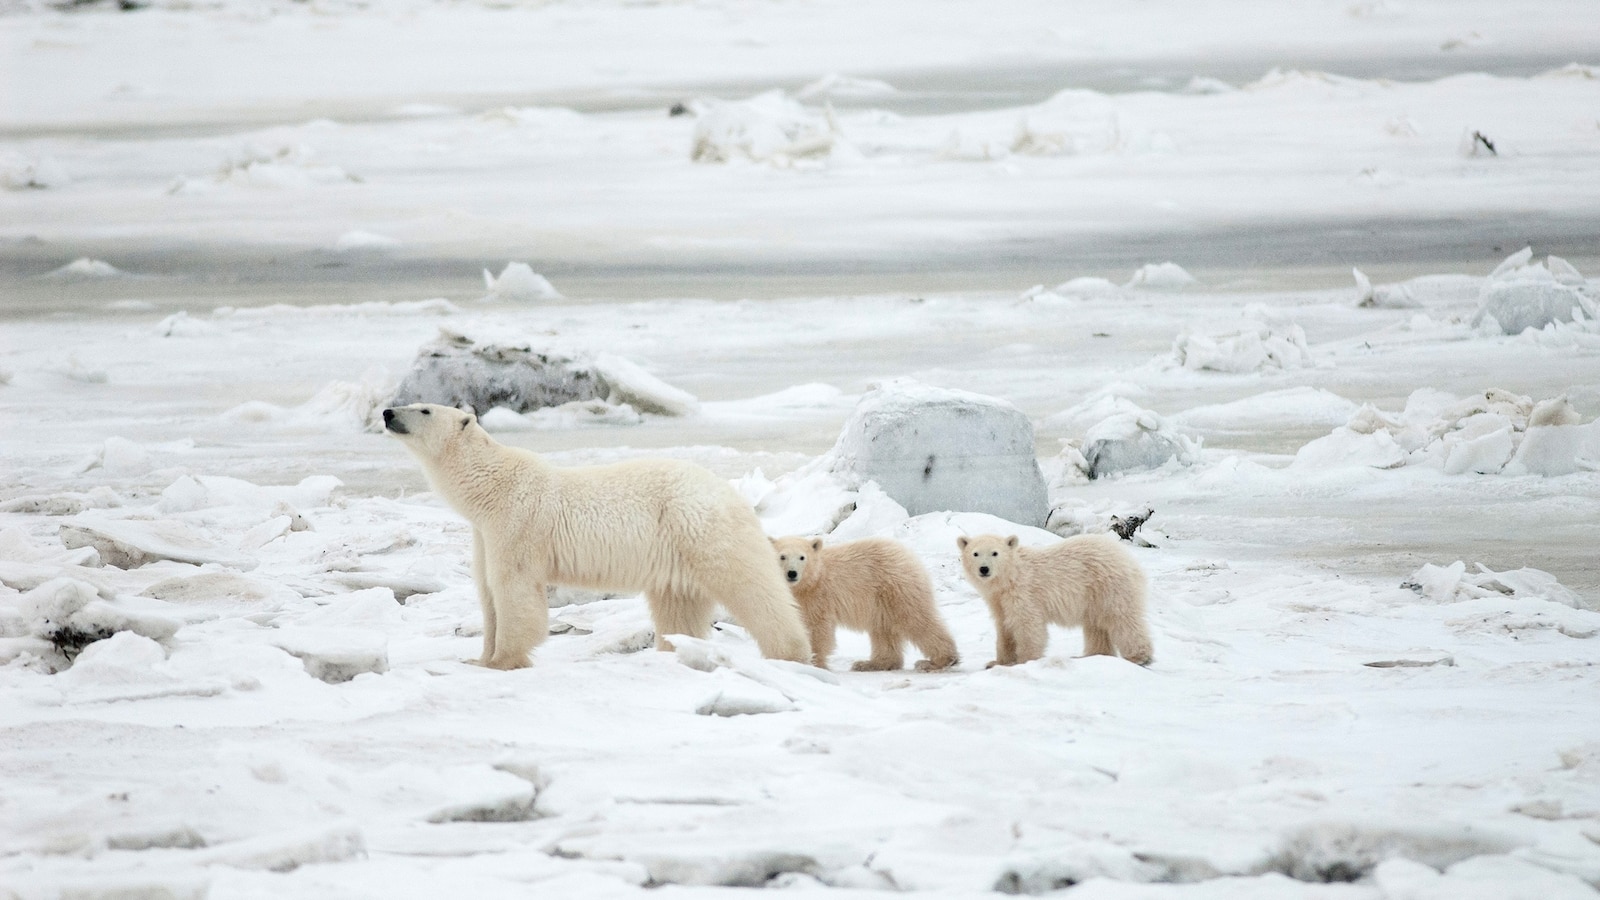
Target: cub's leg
[[1132, 638], [1096, 641], [1030, 638], [821, 628], [887, 652]]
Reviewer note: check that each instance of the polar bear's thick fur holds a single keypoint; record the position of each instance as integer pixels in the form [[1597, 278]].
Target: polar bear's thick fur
[[1089, 581], [874, 585], [669, 529]]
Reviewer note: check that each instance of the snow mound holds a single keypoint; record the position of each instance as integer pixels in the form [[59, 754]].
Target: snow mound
[[85, 269], [1129, 439], [364, 240], [1071, 123], [1290, 406], [769, 127], [1087, 286], [1384, 296], [481, 372], [932, 449], [845, 86], [21, 174], [1453, 583], [335, 655], [288, 167], [1167, 276], [1496, 432], [1521, 294], [518, 281], [1258, 346]]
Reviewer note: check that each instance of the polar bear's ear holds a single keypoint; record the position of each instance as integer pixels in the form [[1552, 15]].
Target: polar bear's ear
[[961, 542], [466, 421], [1011, 541], [816, 545]]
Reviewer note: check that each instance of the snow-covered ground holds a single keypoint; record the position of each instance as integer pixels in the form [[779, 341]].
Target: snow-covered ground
[[227, 228]]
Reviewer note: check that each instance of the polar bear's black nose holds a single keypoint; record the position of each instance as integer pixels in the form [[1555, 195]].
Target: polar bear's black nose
[[983, 571], [388, 416], [793, 575], [392, 423]]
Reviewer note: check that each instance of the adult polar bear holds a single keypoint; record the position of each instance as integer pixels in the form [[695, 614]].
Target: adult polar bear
[[669, 529]]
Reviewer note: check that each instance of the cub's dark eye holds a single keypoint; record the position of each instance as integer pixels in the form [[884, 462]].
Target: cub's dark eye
[[782, 558], [800, 559], [427, 412], [974, 554], [995, 553]]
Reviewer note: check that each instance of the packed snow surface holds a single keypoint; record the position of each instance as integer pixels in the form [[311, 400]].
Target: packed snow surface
[[233, 619]]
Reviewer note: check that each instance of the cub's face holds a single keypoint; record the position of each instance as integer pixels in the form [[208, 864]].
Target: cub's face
[[986, 556], [793, 555], [426, 427]]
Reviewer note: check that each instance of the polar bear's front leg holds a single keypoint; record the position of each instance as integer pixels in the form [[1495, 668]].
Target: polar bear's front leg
[[520, 608], [480, 577]]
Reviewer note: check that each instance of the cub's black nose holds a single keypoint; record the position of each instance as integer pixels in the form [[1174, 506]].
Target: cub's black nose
[[984, 571], [793, 575], [388, 416]]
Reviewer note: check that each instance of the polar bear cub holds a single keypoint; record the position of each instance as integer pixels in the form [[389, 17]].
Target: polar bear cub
[[874, 585], [669, 529], [1089, 580]]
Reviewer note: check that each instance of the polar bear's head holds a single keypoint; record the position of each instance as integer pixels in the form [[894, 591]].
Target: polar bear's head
[[987, 557], [795, 556], [428, 428]]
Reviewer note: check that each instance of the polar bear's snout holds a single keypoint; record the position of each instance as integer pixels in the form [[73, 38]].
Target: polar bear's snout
[[983, 571], [792, 575], [393, 423]]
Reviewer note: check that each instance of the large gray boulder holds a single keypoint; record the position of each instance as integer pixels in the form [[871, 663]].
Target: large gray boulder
[[932, 449], [483, 371]]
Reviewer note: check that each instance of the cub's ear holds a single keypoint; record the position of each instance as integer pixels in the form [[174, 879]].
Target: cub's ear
[[773, 540], [816, 544], [961, 542], [467, 421], [1011, 541]]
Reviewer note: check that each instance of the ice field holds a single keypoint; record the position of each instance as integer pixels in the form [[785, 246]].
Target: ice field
[[234, 620]]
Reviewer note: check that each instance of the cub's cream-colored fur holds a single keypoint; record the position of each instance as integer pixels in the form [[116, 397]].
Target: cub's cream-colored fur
[[874, 585], [1089, 581], [669, 529]]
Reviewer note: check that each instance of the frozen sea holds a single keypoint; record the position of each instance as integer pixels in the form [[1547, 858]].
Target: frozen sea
[[227, 228]]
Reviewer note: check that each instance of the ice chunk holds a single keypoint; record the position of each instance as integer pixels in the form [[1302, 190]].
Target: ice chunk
[[1520, 295], [1167, 276], [641, 390], [335, 655], [1528, 303], [1553, 450], [1384, 296], [768, 127], [481, 373], [1132, 441], [518, 281], [130, 543], [1485, 454], [1256, 347], [1453, 583], [286, 851], [1073, 122], [932, 449]]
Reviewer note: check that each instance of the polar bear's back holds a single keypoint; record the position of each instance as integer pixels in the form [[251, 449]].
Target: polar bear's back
[[1080, 573], [646, 525]]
